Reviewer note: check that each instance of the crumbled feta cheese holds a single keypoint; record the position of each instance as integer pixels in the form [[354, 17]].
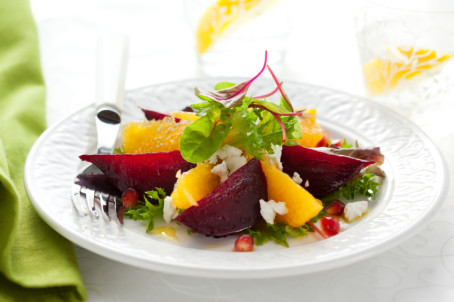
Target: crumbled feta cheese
[[269, 209], [275, 158], [228, 151], [297, 178], [355, 209], [213, 159], [235, 162], [306, 184], [221, 170], [170, 211], [178, 175], [224, 152], [231, 158]]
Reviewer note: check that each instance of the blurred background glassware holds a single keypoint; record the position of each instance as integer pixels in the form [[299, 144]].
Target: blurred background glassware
[[407, 53], [238, 31]]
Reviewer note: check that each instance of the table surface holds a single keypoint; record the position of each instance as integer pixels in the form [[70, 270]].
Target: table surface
[[419, 269]]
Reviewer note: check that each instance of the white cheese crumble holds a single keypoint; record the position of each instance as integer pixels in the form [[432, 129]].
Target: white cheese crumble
[[232, 159], [275, 158], [221, 171], [297, 178], [306, 184], [269, 209], [355, 209], [235, 162], [170, 211], [225, 152], [213, 159]]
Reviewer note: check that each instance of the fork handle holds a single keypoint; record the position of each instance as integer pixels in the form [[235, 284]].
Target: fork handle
[[110, 83], [112, 56]]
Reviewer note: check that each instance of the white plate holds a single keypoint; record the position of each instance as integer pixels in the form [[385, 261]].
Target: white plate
[[414, 188]]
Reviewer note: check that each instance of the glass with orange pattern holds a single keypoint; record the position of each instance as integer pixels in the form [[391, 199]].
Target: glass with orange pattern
[[407, 54]]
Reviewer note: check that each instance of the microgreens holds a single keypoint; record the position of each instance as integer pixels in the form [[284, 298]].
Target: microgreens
[[148, 211], [262, 233], [284, 96], [228, 116], [230, 96], [363, 186]]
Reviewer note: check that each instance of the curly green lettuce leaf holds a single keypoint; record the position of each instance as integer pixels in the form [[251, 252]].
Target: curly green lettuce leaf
[[363, 186], [147, 211], [279, 232]]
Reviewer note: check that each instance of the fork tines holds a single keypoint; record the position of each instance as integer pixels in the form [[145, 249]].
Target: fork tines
[[88, 201]]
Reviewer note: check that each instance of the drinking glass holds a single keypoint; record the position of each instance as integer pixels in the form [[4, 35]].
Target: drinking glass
[[231, 36], [406, 50]]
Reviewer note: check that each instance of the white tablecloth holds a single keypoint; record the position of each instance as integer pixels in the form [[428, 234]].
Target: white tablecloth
[[322, 51]]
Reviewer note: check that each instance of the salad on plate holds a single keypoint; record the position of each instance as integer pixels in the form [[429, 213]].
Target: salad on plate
[[239, 165]]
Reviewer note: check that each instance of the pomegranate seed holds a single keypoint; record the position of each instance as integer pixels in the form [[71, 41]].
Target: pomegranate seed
[[330, 225], [244, 243], [324, 142], [129, 198], [336, 144], [335, 208]]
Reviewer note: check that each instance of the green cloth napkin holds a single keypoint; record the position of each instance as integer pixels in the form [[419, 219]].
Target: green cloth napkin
[[36, 263]]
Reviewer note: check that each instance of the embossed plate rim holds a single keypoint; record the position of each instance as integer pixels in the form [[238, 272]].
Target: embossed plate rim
[[318, 256]]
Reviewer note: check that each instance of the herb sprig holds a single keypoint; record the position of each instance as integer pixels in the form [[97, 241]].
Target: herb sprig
[[362, 186], [279, 232], [228, 116]]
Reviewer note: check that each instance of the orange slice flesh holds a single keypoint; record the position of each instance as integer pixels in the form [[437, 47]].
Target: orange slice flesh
[[382, 75], [301, 205], [188, 116], [193, 185], [153, 136], [311, 132]]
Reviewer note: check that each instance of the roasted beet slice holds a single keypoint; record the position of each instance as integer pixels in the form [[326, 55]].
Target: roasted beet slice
[[142, 172], [321, 172], [154, 115], [231, 207]]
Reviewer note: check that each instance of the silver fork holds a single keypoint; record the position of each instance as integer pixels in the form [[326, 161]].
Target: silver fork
[[112, 55]]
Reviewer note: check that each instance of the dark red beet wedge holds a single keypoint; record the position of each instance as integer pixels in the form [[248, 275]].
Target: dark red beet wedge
[[142, 172], [154, 115], [232, 207], [321, 172]]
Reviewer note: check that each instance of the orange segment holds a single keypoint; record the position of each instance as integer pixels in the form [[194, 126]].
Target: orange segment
[[194, 185], [301, 205], [384, 74], [188, 116], [153, 136], [311, 132]]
